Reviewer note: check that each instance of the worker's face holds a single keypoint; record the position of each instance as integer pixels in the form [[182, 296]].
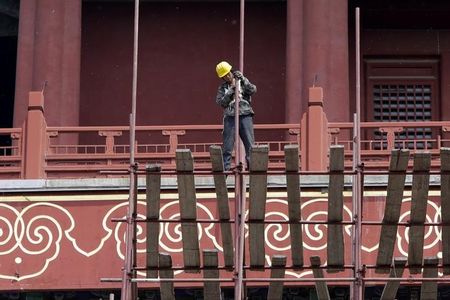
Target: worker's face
[[228, 78]]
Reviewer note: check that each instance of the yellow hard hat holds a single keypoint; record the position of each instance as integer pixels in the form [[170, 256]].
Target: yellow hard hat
[[223, 68]]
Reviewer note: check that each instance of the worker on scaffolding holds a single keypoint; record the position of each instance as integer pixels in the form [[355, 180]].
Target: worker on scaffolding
[[226, 98]]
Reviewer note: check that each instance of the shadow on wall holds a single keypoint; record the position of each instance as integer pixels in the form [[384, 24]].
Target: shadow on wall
[[8, 54]]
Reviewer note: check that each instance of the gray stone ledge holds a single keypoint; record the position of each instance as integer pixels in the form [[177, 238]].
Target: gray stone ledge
[[170, 183]]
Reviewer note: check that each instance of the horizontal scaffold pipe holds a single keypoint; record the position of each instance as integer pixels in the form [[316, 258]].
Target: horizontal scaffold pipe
[[232, 221], [245, 267]]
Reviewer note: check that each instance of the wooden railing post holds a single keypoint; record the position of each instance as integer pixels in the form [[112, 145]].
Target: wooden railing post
[[390, 136], [35, 137], [314, 133], [109, 140], [173, 141], [173, 138]]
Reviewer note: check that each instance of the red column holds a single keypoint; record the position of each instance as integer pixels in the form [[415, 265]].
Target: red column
[[49, 50], [295, 105], [25, 60], [71, 64], [325, 54]]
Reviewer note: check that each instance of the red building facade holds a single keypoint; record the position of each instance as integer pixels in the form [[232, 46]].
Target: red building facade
[[76, 58], [289, 46]]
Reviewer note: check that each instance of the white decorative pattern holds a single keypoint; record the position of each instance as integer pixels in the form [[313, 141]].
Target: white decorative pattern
[[37, 231], [36, 235], [432, 233]]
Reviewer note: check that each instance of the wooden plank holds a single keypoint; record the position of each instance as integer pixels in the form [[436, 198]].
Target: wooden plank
[[391, 287], [153, 191], [445, 209], [166, 271], [321, 286], [256, 245], [258, 182], [222, 204], [335, 236], [293, 191], [420, 186], [395, 188], [188, 209], [257, 207], [430, 270], [211, 290], [276, 287]]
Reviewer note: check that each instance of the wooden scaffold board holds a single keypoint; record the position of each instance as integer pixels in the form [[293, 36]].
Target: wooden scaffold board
[[335, 235], [395, 188], [222, 204], [258, 195], [188, 209], [430, 270], [278, 271], [211, 289], [420, 186], [294, 204], [391, 288], [445, 208], [321, 286], [166, 271], [153, 194]]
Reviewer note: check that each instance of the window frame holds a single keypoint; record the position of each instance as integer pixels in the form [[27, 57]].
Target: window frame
[[398, 72]]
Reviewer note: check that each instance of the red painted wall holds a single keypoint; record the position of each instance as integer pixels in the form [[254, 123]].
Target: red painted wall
[[67, 241], [417, 43], [406, 44], [180, 44]]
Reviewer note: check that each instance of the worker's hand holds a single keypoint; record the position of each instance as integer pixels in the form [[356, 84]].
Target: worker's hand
[[233, 82], [230, 90], [238, 75]]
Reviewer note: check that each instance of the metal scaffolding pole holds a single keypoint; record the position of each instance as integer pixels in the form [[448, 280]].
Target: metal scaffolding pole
[[129, 280], [357, 287], [239, 191], [129, 288]]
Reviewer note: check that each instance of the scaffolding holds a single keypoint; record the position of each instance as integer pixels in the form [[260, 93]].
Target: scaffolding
[[159, 267], [206, 261]]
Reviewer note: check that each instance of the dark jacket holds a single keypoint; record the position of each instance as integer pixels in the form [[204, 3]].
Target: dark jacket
[[225, 97]]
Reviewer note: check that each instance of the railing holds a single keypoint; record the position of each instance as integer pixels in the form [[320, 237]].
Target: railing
[[375, 151], [40, 151], [11, 155], [96, 149]]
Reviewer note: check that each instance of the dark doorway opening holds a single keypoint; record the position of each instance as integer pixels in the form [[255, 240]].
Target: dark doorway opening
[[8, 54]]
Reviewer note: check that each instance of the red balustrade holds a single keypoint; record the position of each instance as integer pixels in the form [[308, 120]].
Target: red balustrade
[[39, 151]]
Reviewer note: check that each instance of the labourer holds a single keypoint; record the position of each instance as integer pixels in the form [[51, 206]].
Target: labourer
[[226, 98]]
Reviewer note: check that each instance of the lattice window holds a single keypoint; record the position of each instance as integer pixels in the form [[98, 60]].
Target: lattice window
[[393, 103], [402, 89], [404, 103]]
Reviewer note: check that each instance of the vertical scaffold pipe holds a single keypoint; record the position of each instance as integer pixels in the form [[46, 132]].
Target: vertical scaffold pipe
[[239, 178], [358, 89], [238, 202], [129, 288], [357, 287]]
